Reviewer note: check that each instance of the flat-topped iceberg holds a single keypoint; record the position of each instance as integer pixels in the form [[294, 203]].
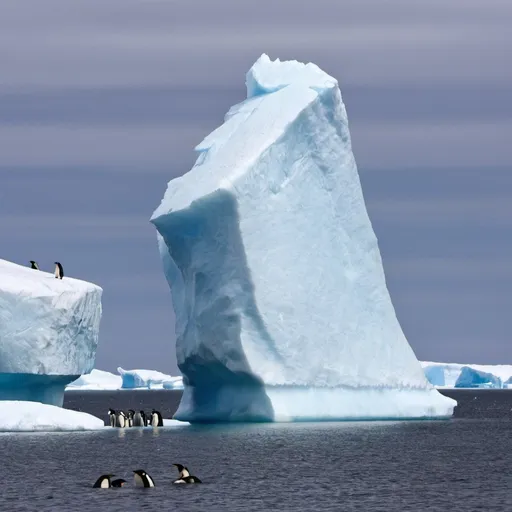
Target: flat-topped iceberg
[[97, 380], [48, 332], [282, 310], [20, 416]]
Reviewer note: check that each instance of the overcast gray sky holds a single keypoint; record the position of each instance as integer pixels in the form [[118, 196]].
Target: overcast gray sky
[[102, 102]]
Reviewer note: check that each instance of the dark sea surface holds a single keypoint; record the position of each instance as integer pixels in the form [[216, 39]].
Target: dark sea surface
[[461, 464]]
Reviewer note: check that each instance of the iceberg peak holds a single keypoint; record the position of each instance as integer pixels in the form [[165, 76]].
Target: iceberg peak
[[267, 76]]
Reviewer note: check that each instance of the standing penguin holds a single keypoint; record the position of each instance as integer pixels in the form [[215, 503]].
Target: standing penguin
[[142, 479], [34, 265], [59, 271], [129, 417], [121, 419], [156, 419], [112, 417], [103, 482], [139, 419]]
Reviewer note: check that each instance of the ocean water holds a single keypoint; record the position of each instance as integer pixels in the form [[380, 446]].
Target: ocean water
[[458, 465]]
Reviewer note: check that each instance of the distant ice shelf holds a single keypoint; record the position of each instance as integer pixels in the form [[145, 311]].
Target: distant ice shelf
[[99, 380], [49, 332], [456, 375]]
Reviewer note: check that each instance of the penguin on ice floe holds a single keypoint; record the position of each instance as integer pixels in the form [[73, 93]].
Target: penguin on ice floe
[[156, 419], [129, 418], [34, 265], [112, 417], [59, 271], [118, 483], [121, 420], [139, 419], [142, 479], [103, 482], [185, 477]]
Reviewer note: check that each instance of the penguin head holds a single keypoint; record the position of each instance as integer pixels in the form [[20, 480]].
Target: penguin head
[[119, 482], [111, 411], [140, 472], [179, 466]]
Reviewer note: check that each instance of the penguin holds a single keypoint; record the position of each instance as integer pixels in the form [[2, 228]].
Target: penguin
[[112, 417], [142, 479], [59, 271], [139, 419], [121, 419], [103, 482], [185, 477], [156, 419], [34, 265], [118, 483], [129, 417]]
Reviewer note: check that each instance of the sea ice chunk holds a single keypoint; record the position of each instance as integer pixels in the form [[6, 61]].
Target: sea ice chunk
[[143, 378], [48, 332], [20, 416], [282, 310]]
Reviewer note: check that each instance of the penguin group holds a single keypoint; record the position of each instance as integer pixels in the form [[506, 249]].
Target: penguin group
[[142, 479], [59, 271], [131, 418]]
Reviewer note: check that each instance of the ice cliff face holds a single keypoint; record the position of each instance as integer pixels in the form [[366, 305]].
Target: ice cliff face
[[282, 309], [48, 332]]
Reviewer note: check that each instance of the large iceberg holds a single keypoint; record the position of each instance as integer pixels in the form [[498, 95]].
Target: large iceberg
[[282, 310], [48, 332]]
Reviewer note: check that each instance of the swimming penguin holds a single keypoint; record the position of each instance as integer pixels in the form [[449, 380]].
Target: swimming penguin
[[142, 479], [185, 477], [112, 417], [103, 482], [121, 419], [34, 265], [156, 419], [129, 418], [139, 419], [118, 483], [59, 271]]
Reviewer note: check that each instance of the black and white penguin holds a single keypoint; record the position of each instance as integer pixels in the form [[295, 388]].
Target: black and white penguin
[[103, 482], [118, 483], [129, 418], [34, 265], [156, 419], [139, 419], [112, 417], [185, 477], [59, 271], [121, 419], [142, 479]]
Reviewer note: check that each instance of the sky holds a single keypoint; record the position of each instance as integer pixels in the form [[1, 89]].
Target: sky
[[102, 102]]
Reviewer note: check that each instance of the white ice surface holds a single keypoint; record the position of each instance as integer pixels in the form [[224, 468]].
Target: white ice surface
[[48, 326], [282, 310], [19, 416]]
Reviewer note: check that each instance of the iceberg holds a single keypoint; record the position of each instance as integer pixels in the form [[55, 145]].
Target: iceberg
[[149, 379], [21, 416], [281, 304], [471, 378], [48, 333], [450, 375], [97, 380]]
